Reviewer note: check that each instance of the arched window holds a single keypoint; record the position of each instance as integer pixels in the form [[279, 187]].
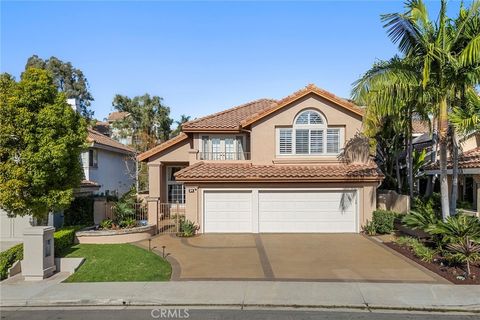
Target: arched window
[[309, 135]]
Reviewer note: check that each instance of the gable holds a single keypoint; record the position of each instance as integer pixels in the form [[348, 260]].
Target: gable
[[310, 90]]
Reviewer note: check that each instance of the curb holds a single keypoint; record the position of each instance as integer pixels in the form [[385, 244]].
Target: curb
[[123, 303]]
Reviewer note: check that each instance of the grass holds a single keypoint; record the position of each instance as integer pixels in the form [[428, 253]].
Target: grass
[[117, 262]]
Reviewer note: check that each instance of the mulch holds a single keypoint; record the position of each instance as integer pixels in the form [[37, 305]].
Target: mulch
[[448, 272]]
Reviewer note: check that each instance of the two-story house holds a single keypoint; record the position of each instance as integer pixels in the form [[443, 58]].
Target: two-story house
[[268, 166], [108, 166]]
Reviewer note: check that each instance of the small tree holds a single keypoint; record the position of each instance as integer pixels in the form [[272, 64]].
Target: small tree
[[41, 139]]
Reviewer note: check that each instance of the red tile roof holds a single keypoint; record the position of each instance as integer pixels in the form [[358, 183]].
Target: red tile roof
[[311, 88], [246, 172], [100, 139], [162, 146], [468, 160], [230, 119]]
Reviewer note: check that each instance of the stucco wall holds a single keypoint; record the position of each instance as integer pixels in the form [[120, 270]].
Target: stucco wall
[[11, 229], [471, 143], [115, 171], [263, 140]]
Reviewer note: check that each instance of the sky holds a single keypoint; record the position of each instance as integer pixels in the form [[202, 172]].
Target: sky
[[201, 57]]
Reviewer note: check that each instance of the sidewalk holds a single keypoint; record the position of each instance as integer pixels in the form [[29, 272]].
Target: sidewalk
[[242, 294]]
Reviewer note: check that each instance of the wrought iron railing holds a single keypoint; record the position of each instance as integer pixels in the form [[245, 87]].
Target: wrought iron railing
[[223, 156]]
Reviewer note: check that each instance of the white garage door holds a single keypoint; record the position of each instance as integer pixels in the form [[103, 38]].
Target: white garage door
[[307, 211], [228, 211]]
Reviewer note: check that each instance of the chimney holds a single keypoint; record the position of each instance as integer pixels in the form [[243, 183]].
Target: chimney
[[73, 102]]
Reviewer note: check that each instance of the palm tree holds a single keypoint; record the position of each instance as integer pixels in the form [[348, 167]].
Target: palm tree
[[183, 118], [393, 89], [443, 50]]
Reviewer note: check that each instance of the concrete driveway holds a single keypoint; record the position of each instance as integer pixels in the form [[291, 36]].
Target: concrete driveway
[[288, 257]]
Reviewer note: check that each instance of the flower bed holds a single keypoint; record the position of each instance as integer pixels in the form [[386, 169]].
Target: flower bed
[[126, 235], [440, 266]]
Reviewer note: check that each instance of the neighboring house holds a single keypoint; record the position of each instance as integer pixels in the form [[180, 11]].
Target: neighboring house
[[268, 166], [469, 171], [108, 166], [117, 134]]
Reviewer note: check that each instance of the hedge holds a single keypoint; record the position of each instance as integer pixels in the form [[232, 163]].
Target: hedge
[[8, 258], [383, 221], [63, 239]]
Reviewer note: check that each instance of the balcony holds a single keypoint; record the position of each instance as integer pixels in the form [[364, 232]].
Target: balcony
[[223, 156]]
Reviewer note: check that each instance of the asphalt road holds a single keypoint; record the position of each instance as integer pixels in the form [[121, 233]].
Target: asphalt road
[[211, 314]]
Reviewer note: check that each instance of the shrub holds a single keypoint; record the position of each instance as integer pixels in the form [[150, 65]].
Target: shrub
[[123, 211], [423, 252], [383, 221], [457, 228], [106, 224], [420, 220], [80, 212], [64, 238], [128, 223], [465, 251], [188, 228], [8, 258], [369, 228]]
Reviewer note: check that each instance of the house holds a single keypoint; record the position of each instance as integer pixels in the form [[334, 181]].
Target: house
[[268, 166], [469, 171], [116, 133], [108, 166]]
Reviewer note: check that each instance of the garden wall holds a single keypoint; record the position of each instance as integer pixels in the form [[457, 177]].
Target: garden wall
[[392, 201]]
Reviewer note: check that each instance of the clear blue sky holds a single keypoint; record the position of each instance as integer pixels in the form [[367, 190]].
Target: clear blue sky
[[201, 57]]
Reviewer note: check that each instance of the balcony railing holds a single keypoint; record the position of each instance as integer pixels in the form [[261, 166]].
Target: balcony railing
[[223, 156]]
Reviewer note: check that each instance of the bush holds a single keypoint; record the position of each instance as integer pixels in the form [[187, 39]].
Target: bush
[[383, 221], [8, 258], [369, 228], [457, 228], [128, 223], [106, 224], [423, 252], [80, 212], [420, 219], [188, 228], [64, 238]]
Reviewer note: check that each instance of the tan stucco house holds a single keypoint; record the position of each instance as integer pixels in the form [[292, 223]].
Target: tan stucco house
[[268, 166], [468, 169]]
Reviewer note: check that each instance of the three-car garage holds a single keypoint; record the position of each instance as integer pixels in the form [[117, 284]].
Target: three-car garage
[[280, 211]]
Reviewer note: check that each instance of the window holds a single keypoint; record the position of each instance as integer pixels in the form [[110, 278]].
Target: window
[[222, 148], [92, 158], [175, 189], [333, 140], [285, 145], [301, 141], [309, 135]]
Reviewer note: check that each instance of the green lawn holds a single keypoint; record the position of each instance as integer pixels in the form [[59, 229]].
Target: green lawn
[[117, 262]]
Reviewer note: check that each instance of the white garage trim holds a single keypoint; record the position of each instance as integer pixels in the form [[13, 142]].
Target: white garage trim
[[255, 201]]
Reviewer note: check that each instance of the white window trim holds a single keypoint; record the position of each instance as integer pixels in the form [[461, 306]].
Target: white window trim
[[323, 127], [174, 182], [222, 138]]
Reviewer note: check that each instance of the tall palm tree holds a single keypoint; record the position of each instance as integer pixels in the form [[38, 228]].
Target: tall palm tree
[[393, 89], [442, 49]]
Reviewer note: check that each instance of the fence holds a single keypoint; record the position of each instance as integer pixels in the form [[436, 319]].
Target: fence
[[139, 212], [170, 217]]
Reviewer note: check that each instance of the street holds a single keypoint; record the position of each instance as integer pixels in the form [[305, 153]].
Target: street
[[209, 314]]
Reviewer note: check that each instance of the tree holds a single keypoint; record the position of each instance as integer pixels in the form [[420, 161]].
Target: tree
[[447, 53], [68, 79], [41, 140], [393, 93], [149, 120], [183, 119]]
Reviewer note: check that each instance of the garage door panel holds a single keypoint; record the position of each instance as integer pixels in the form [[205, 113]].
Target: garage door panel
[[307, 211], [228, 211]]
